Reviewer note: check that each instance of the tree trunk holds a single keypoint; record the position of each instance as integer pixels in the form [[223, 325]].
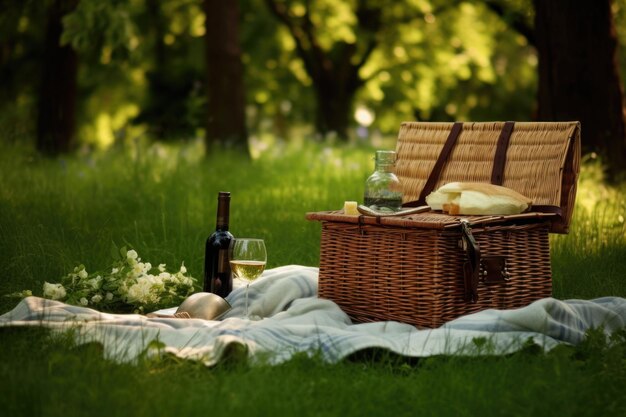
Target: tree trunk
[[226, 122], [578, 74], [333, 112], [335, 84], [334, 72], [56, 121]]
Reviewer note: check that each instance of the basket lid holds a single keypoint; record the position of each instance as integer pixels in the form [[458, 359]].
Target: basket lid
[[428, 220], [540, 160]]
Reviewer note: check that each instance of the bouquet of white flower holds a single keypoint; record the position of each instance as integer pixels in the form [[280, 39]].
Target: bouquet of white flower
[[131, 285]]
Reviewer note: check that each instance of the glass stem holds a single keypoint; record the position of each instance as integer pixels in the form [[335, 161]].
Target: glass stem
[[247, 286]]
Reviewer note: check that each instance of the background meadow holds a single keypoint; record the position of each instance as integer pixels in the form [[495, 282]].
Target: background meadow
[[161, 200]]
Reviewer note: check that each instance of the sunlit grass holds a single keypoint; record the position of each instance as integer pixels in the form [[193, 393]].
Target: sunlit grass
[[591, 260], [55, 377], [160, 199]]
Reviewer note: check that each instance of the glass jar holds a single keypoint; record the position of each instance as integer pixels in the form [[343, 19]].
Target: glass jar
[[382, 189]]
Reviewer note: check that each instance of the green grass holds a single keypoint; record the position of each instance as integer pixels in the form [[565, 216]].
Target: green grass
[[56, 378], [160, 200]]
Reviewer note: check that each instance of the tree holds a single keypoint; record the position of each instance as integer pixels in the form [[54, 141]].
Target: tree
[[20, 66], [226, 123], [174, 105], [101, 33], [56, 120], [334, 72], [578, 74], [427, 60]]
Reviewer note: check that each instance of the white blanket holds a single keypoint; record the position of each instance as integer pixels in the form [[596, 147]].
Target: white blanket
[[290, 319]]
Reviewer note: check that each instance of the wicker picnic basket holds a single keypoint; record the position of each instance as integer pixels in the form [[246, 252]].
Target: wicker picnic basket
[[426, 269]]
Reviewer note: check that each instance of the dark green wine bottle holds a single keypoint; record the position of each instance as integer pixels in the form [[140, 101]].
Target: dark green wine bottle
[[218, 277]]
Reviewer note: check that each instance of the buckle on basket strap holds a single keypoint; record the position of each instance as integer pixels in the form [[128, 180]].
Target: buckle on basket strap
[[494, 269], [471, 267]]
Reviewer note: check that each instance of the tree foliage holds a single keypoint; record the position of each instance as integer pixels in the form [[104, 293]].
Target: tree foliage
[[142, 70], [105, 29], [416, 59]]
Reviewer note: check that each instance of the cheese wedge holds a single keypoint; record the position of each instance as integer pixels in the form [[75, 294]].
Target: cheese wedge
[[350, 208], [477, 199]]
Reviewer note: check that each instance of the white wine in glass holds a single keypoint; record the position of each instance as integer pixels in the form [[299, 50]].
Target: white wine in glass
[[247, 261], [248, 270]]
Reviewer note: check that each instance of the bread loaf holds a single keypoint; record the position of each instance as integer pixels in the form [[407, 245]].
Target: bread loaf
[[477, 199]]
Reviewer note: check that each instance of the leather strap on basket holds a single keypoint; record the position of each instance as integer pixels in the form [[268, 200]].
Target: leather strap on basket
[[471, 267], [499, 160], [439, 164]]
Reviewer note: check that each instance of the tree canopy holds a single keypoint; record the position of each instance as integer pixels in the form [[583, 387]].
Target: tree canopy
[[352, 68]]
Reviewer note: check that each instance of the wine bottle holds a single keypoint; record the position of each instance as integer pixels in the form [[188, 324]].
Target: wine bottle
[[218, 277]]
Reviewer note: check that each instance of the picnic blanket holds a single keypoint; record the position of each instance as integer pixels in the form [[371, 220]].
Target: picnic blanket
[[289, 318]]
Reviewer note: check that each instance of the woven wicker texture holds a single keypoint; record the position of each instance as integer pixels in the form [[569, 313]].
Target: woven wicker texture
[[412, 268], [542, 160], [414, 275]]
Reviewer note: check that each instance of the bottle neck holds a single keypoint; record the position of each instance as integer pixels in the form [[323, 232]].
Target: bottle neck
[[385, 161], [223, 214], [383, 167]]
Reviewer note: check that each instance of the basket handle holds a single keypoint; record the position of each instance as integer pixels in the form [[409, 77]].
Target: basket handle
[[436, 172], [499, 159]]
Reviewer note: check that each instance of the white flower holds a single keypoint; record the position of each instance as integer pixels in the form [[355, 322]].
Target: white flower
[[53, 291], [155, 280], [140, 292], [95, 283], [138, 268], [130, 282]]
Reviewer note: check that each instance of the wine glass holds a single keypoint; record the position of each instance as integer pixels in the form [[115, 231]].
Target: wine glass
[[247, 261]]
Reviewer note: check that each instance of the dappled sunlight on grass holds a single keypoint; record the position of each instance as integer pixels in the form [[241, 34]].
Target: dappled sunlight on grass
[[600, 213], [160, 199], [590, 261], [594, 194]]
